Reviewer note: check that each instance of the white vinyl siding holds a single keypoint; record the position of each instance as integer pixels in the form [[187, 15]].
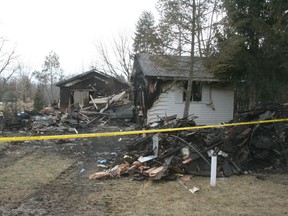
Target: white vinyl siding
[[216, 106]]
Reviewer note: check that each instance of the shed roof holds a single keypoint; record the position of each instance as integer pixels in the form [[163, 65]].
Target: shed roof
[[176, 67], [100, 76]]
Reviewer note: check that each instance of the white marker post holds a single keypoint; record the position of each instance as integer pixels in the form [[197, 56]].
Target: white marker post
[[213, 173]]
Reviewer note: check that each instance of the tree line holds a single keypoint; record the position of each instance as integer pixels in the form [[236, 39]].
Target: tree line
[[244, 42], [19, 82]]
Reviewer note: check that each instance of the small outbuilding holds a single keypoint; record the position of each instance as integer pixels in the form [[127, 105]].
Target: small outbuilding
[[82, 88], [160, 84]]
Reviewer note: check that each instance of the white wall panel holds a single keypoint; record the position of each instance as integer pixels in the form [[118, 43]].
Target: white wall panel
[[216, 106]]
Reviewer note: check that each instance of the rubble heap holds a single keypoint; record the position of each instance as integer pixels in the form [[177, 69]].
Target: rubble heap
[[240, 149]]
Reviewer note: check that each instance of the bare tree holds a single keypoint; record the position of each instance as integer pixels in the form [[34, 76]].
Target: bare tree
[[188, 25], [115, 59], [24, 83], [191, 70], [50, 74], [8, 64]]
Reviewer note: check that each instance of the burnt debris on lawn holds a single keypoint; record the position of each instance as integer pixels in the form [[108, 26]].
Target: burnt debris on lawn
[[115, 109], [240, 149]]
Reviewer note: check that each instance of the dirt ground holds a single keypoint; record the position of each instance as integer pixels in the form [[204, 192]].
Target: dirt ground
[[51, 178]]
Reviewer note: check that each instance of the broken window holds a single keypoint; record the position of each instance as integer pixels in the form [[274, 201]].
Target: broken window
[[196, 94]]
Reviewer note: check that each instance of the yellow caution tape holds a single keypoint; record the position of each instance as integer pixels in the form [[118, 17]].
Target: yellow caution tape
[[121, 133]]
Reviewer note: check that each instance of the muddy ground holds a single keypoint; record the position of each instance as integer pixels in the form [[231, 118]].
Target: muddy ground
[[51, 178]]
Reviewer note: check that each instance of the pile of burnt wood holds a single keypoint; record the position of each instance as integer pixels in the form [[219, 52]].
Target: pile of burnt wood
[[239, 149], [51, 120]]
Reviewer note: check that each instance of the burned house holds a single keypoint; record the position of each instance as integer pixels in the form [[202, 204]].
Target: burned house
[[83, 88], [160, 81]]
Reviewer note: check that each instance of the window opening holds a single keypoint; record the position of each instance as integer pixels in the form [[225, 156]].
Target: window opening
[[196, 94]]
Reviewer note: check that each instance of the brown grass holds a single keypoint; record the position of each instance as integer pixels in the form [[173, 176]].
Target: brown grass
[[29, 173], [237, 195], [34, 177]]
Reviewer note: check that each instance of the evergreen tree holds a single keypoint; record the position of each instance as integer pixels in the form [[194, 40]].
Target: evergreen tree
[[173, 31], [252, 47], [146, 39], [176, 25], [38, 99]]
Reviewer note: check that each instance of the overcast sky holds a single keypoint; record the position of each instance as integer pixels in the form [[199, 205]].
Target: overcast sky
[[68, 27]]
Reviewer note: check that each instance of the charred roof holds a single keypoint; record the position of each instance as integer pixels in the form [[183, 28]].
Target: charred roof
[[94, 74], [171, 67]]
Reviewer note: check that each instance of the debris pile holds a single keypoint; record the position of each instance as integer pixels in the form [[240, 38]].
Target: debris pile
[[240, 149], [51, 120]]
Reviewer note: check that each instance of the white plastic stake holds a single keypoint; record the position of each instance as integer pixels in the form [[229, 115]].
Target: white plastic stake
[[213, 170]]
